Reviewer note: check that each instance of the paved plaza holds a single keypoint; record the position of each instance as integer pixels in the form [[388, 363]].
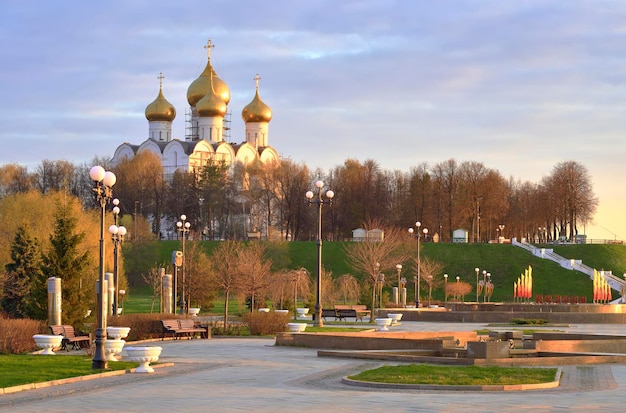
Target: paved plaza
[[254, 375]]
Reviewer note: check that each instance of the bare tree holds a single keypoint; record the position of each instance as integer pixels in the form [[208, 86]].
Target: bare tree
[[429, 273], [226, 271], [254, 272], [348, 288], [153, 279], [371, 257]]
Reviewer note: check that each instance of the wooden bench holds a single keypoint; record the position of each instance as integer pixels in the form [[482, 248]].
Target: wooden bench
[[70, 339], [182, 327], [357, 311]]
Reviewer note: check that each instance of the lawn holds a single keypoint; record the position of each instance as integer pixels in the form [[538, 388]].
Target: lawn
[[18, 369], [456, 376]]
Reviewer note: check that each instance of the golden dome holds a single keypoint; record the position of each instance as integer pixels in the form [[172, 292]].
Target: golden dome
[[160, 109], [257, 110], [211, 104], [200, 87]]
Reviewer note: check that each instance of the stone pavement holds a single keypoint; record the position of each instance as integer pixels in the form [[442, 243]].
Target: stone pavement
[[251, 374]]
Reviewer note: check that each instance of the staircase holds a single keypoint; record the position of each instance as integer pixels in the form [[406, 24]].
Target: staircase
[[614, 282]]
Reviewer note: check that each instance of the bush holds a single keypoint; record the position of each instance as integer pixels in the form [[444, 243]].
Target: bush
[[528, 321], [265, 324], [142, 326], [16, 335]]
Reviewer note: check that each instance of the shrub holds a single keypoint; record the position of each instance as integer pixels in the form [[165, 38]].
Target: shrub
[[528, 321], [16, 335], [263, 324], [142, 326]]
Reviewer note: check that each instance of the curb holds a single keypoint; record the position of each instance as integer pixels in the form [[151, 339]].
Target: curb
[[446, 387], [45, 384]]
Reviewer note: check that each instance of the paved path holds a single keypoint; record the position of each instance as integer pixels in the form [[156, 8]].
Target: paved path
[[251, 374]]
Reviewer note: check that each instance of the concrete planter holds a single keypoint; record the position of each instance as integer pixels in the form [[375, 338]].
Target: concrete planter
[[296, 327], [383, 323], [144, 356], [47, 342]]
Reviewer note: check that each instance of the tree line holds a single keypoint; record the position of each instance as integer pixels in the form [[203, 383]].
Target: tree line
[[268, 200]]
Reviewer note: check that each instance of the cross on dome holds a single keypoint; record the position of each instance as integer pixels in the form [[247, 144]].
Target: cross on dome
[[208, 47], [161, 77], [256, 80]]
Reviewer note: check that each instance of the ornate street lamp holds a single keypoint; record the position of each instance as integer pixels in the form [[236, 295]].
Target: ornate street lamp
[[117, 236], [417, 236], [182, 227], [445, 288], [477, 292], [399, 270], [320, 202], [103, 182]]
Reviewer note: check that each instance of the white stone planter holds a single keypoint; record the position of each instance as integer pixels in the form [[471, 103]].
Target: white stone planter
[[382, 323], [144, 355], [395, 318], [113, 347], [302, 311], [117, 332], [47, 342], [194, 311], [264, 310], [296, 327]]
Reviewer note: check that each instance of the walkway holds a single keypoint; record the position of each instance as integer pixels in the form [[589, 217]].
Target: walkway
[[251, 374]]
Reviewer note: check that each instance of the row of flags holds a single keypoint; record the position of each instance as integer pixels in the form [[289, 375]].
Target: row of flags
[[523, 288], [601, 289]]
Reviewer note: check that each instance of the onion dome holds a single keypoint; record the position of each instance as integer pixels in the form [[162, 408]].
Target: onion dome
[[211, 104], [200, 87], [257, 110], [160, 109]]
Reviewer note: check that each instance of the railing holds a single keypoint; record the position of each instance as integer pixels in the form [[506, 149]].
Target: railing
[[614, 282]]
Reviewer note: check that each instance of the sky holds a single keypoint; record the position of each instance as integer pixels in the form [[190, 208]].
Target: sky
[[517, 85]]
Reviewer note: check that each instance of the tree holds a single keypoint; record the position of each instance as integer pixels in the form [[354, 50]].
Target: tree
[[570, 185], [253, 273], [371, 257], [140, 181], [69, 261], [225, 265], [348, 288], [198, 277], [153, 279], [25, 294], [429, 271]]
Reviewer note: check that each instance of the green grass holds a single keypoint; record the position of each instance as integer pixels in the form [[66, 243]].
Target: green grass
[[504, 261], [456, 376], [18, 369]]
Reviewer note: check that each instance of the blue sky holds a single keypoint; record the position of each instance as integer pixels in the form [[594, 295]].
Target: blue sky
[[517, 85]]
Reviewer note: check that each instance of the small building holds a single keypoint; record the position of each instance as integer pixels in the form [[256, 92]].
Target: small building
[[373, 235], [460, 236]]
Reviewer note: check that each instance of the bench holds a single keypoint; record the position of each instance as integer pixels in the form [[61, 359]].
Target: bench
[[70, 339], [326, 312], [182, 327], [357, 311]]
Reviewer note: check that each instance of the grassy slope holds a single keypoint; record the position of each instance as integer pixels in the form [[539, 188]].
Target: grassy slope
[[505, 263]]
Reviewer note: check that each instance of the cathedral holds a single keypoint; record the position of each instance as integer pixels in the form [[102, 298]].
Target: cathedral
[[206, 128]]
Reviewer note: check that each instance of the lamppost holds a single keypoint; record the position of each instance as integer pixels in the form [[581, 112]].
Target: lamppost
[[182, 227], [445, 288], [484, 284], [381, 282], [399, 270], [477, 270], [320, 202], [117, 235], [488, 286], [415, 286], [417, 236], [122, 293], [103, 191]]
